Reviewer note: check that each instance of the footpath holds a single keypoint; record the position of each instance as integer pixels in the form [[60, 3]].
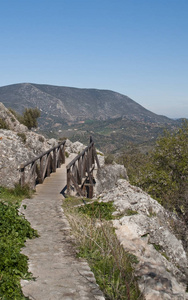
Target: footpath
[[58, 273]]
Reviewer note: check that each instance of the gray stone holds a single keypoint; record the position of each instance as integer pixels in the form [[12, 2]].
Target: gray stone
[[162, 274], [107, 177]]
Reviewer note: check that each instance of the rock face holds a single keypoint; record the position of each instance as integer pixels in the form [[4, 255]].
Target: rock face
[[145, 229], [108, 175], [76, 147], [10, 120], [17, 146]]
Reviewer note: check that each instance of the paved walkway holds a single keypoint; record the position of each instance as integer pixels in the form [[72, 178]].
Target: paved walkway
[[52, 258]]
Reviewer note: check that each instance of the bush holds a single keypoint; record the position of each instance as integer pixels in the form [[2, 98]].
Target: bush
[[109, 159], [30, 116], [14, 230], [3, 124], [165, 176]]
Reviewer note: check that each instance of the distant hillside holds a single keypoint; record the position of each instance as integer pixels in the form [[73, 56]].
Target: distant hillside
[[113, 119], [60, 104]]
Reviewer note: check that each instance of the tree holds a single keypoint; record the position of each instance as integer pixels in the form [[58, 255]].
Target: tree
[[165, 176], [30, 116]]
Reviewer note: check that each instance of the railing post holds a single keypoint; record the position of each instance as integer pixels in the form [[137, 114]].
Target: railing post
[[68, 181], [63, 154], [48, 165], [54, 163]]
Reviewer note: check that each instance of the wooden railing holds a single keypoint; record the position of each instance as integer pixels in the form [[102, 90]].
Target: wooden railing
[[80, 171], [37, 169]]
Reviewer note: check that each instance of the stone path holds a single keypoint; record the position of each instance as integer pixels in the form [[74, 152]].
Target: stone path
[[52, 257]]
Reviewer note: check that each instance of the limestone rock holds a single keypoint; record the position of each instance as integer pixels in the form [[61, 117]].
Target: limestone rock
[[17, 149], [107, 177], [10, 120], [17, 146], [76, 147], [100, 156], [144, 229]]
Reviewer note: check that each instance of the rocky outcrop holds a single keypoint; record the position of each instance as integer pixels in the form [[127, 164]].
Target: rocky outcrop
[[108, 175], [17, 146], [10, 120], [76, 147], [145, 229]]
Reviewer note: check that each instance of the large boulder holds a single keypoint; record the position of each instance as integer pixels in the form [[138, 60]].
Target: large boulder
[[17, 148], [75, 147], [107, 177], [146, 229]]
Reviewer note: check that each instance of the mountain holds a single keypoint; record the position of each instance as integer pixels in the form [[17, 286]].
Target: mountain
[[114, 119], [67, 104]]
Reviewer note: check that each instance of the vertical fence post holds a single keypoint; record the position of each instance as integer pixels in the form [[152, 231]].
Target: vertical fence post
[[22, 177], [54, 163], [63, 154], [68, 181]]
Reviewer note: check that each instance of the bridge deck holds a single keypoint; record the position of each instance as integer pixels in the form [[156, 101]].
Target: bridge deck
[[52, 258]]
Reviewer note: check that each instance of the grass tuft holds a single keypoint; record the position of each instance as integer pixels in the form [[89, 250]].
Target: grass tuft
[[97, 243]]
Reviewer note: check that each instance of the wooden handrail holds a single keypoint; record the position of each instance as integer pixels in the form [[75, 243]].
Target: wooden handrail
[[80, 171], [79, 155], [35, 170], [41, 155]]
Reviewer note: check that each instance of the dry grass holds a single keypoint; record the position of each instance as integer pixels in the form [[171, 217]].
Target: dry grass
[[97, 242]]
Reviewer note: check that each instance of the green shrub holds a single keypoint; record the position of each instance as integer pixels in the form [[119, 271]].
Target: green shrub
[[66, 154], [3, 124], [109, 159], [30, 116], [99, 210], [14, 230], [165, 175]]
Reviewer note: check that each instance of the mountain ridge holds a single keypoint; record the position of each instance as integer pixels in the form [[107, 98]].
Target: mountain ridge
[[75, 104], [113, 119]]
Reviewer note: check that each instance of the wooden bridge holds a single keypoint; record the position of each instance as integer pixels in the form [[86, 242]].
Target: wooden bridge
[[79, 170]]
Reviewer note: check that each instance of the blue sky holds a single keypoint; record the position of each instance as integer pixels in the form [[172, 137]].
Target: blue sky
[[135, 47]]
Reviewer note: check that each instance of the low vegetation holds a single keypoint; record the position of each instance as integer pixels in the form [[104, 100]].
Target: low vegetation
[[163, 172], [14, 230], [28, 118], [98, 244], [3, 124], [22, 135]]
